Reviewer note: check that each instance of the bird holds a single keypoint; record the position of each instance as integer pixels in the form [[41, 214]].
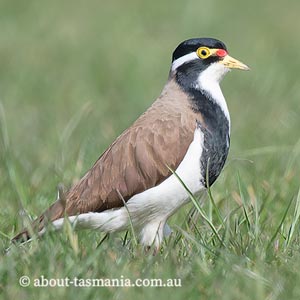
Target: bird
[[183, 137]]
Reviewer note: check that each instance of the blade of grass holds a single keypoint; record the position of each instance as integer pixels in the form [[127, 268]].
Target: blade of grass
[[102, 240], [210, 196], [192, 239], [294, 221], [74, 122], [202, 213], [294, 154], [280, 224], [130, 219], [243, 201]]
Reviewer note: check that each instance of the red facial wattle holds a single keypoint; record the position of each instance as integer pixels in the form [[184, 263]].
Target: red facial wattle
[[221, 52]]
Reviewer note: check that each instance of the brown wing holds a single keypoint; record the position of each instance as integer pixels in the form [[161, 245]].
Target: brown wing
[[137, 160]]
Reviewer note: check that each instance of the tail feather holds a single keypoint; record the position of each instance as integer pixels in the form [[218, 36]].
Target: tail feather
[[54, 212]]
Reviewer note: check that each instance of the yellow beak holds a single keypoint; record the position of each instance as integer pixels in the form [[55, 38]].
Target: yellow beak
[[233, 63]]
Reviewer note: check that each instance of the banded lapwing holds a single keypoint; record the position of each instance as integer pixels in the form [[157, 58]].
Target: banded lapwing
[[186, 130]]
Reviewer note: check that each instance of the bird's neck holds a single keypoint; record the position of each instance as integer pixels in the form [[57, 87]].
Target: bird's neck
[[204, 88], [213, 92]]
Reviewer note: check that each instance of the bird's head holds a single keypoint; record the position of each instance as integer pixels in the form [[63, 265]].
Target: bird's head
[[202, 58]]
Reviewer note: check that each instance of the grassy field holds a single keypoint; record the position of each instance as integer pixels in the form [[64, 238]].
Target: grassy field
[[74, 74]]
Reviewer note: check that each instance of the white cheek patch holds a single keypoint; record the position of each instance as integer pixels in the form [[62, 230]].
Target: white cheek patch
[[215, 72], [184, 59]]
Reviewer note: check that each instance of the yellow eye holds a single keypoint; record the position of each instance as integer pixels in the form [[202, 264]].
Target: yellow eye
[[203, 52]]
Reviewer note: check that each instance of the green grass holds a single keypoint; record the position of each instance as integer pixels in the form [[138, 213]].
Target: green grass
[[74, 74]]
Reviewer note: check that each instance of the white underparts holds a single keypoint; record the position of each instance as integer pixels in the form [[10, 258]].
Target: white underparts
[[150, 209]]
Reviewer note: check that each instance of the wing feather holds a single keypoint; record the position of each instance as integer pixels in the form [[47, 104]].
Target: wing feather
[[136, 160]]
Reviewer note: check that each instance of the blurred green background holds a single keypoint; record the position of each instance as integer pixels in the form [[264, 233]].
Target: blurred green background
[[74, 74]]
